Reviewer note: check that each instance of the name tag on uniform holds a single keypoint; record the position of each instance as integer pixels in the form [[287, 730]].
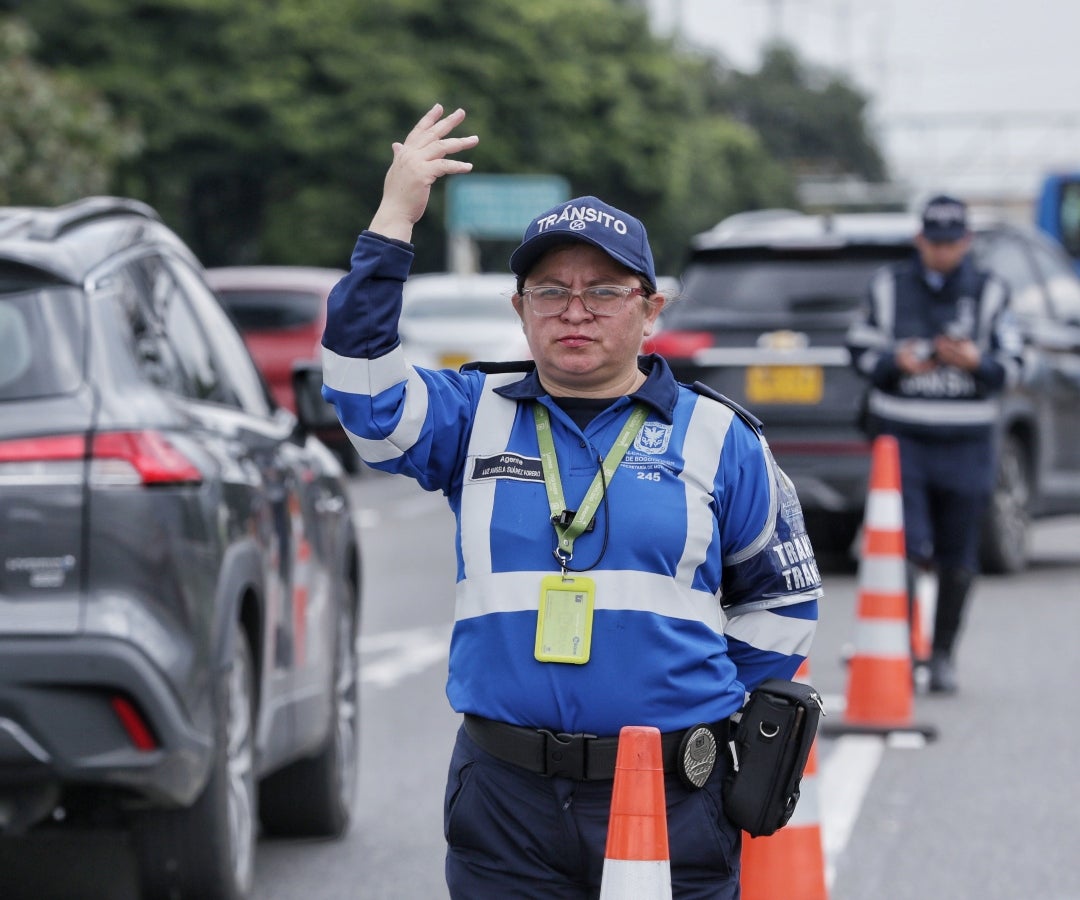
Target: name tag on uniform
[[564, 623]]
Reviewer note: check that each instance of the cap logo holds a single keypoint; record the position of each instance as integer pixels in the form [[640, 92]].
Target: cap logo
[[944, 213], [578, 218], [588, 219]]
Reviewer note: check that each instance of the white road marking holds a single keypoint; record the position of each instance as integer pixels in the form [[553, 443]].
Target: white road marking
[[845, 777], [390, 657]]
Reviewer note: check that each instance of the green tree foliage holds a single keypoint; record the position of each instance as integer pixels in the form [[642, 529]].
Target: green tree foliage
[[580, 88], [58, 139], [268, 123], [808, 118]]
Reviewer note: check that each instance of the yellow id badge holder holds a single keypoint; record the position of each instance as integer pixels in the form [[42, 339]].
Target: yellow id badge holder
[[564, 624]]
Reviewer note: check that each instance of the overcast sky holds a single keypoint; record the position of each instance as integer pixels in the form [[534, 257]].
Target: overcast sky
[[1008, 72]]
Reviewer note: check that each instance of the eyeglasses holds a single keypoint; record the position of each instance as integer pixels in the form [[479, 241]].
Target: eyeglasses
[[547, 300]]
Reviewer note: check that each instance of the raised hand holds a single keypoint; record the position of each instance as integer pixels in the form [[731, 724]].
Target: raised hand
[[419, 161]]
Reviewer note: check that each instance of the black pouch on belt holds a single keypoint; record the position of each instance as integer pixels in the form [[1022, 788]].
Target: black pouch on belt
[[770, 742]]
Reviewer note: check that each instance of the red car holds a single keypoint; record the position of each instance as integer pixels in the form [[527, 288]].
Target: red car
[[281, 312]]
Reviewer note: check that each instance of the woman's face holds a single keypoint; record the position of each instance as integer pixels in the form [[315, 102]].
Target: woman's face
[[578, 353]]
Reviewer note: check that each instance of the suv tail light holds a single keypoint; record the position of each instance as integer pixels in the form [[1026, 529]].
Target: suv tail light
[[139, 457], [115, 458], [678, 344]]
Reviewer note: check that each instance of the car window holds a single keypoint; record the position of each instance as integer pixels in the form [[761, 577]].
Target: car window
[[1006, 256], [128, 288], [170, 347], [233, 360], [184, 334], [780, 285], [1061, 282], [271, 310], [41, 342]]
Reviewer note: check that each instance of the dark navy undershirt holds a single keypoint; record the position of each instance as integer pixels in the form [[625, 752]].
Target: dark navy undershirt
[[583, 409]]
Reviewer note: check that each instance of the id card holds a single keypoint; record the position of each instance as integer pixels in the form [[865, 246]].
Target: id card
[[564, 623]]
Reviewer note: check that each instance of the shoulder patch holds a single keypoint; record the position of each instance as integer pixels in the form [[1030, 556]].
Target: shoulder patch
[[499, 368], [748, 417]]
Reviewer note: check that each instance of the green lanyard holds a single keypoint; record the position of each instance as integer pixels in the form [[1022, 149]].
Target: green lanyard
[[589, 504]]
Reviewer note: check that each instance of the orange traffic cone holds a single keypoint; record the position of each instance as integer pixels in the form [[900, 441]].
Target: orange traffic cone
[[880, 694], [789, 863], [637, 864]]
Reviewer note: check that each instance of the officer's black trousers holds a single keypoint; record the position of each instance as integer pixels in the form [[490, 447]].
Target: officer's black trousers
[[954, 585], [946, 487], [511, 833]]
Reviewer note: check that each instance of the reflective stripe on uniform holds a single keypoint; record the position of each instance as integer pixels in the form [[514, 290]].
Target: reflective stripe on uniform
[[918, 410]]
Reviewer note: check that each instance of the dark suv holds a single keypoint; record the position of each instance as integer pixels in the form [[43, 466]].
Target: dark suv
[[179, 572], [766, 302]]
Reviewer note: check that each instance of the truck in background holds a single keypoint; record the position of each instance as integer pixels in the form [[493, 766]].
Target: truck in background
[[1057, 211]]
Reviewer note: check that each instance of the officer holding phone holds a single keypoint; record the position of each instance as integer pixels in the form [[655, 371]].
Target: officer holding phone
[[937, 344]]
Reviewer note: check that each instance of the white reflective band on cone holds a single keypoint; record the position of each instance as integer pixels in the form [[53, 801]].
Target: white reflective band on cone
[[882, 574], [635, 879], [882, 638], [884, 510]]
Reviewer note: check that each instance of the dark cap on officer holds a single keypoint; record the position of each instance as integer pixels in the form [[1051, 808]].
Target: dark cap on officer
[[944, 219], [591, 221]]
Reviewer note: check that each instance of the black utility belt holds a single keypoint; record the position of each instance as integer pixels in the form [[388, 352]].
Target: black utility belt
[[692, 752]]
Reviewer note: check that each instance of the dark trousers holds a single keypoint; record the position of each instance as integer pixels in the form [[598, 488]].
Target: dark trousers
[[946, 489], [511, 833]]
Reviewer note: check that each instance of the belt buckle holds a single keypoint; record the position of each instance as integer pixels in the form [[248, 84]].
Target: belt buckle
[[697, 756], [564, 754]]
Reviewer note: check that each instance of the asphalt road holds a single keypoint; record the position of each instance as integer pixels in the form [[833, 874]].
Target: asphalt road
[[989, 810]]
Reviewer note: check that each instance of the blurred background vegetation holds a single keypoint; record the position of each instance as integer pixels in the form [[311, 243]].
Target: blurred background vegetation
[[261, 129]]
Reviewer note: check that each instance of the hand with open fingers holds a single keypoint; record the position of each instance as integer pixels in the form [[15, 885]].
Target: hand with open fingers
[[419, 161]]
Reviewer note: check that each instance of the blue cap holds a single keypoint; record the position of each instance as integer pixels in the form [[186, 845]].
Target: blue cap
[[619, 235], [944, 219]]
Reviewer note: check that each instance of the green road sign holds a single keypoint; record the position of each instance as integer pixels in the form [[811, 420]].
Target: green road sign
[[500, 206]]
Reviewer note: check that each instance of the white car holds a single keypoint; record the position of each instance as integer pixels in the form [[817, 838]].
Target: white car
[[448, 320]]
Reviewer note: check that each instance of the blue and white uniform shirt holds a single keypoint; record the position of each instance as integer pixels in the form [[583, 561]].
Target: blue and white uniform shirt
[[705, 581]]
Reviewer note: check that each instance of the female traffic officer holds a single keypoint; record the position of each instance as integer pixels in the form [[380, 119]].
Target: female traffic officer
[[628, 551]]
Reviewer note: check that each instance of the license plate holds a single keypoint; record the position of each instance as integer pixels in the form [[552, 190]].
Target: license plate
[[454, 360], [784, 384]]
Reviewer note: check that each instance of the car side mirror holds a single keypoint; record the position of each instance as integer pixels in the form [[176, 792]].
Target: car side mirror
[[312, 411]]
